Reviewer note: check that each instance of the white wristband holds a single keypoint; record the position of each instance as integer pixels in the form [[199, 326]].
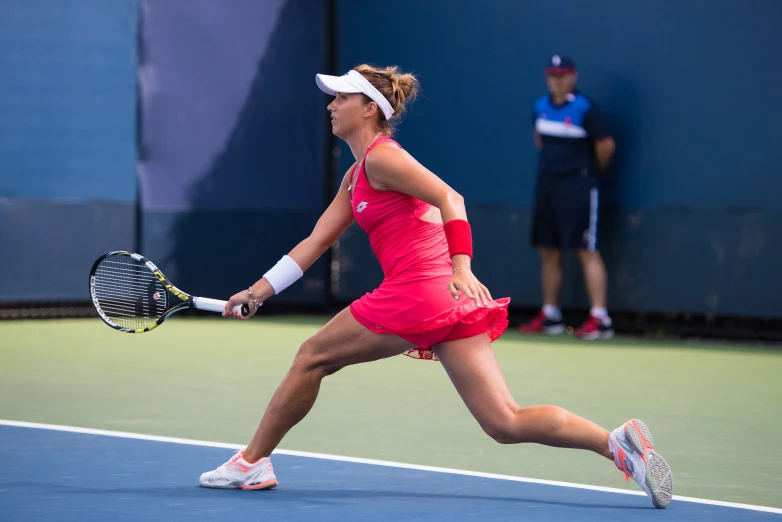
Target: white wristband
[[283, 274]]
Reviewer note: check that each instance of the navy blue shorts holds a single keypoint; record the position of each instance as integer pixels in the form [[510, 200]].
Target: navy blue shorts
[[565, 214]]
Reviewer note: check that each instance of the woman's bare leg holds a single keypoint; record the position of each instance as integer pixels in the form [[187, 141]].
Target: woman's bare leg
[[341, 342], [473, 369]]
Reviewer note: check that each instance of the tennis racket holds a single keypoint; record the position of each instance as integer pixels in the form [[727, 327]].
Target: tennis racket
[[132, 295]]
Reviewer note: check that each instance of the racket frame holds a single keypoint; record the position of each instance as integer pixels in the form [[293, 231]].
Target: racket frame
[[188, 301]]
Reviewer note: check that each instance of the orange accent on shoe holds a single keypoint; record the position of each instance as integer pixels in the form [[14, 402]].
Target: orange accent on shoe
[[646, 443], [236, 465], [269, 484], [622, 459]]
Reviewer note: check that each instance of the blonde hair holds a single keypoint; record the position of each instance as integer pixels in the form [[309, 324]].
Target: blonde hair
[[397, 87]]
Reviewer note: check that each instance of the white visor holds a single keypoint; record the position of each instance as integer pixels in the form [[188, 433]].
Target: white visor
[[351, 83]]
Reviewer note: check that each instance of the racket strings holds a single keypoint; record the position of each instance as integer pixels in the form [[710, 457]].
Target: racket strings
[[128, 293]]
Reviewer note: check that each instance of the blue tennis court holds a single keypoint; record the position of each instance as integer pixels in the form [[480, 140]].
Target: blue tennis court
[[60, 475]]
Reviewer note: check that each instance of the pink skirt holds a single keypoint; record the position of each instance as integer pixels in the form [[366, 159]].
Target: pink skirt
[[424, 313]]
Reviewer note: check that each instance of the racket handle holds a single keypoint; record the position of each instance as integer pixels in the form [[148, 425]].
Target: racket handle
[[215, 305]]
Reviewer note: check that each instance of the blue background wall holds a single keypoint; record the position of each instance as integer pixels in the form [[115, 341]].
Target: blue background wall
[[231, 163], [233, 156], [67, 141], [692, 216], [233, 136]]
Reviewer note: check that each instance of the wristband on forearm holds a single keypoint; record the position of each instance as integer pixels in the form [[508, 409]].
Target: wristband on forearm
[[459, 236], [283, 274]]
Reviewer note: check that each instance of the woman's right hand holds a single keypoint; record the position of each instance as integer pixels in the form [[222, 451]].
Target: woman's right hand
[[261, 290], [240, 298]]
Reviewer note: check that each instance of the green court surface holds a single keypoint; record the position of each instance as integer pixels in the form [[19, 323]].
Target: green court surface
[[715, 409]]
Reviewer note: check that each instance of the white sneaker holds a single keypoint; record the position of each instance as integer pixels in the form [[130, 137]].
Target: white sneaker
[[633, 448], [238, 473]]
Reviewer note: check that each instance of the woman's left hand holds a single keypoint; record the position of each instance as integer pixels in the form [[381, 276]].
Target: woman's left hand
[[464, 280]]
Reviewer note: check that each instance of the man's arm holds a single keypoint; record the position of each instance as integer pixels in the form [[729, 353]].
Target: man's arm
[[595, 125], [535, 134], [604, 152]]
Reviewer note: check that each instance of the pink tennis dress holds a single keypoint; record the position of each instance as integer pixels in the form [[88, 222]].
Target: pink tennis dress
[[413, 300]]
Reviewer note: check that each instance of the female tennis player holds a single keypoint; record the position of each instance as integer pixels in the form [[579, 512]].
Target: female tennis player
[[430, 305]]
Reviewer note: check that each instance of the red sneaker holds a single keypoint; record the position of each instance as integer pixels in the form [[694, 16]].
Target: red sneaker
[[542, 324], [594, 328]]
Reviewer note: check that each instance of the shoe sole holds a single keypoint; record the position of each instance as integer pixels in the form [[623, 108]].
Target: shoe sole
[[269, 484], [659, 478]]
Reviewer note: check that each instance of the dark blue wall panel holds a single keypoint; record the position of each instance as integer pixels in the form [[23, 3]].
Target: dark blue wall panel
[[231, 116], [49, 246], [692, 206], [233, 133], [216, 254]]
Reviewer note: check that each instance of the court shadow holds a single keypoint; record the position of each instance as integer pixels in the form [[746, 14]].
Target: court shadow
[[313, 496], [310, 495]]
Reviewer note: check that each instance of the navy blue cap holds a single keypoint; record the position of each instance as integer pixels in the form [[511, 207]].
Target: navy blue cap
[[561, 64]]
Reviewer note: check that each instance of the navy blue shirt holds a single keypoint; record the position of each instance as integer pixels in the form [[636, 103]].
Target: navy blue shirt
[[568, 133]]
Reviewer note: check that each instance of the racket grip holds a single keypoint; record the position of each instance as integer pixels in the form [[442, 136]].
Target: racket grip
[[215, 305]]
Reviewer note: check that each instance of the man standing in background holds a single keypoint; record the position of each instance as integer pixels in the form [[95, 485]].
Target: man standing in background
[[574, 149]]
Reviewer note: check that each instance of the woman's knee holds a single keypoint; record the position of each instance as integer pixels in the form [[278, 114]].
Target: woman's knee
[[502, 427], [500, 432], [530, 424], [311, 358]]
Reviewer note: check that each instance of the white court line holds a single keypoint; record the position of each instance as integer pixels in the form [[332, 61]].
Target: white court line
[[192, 442]]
